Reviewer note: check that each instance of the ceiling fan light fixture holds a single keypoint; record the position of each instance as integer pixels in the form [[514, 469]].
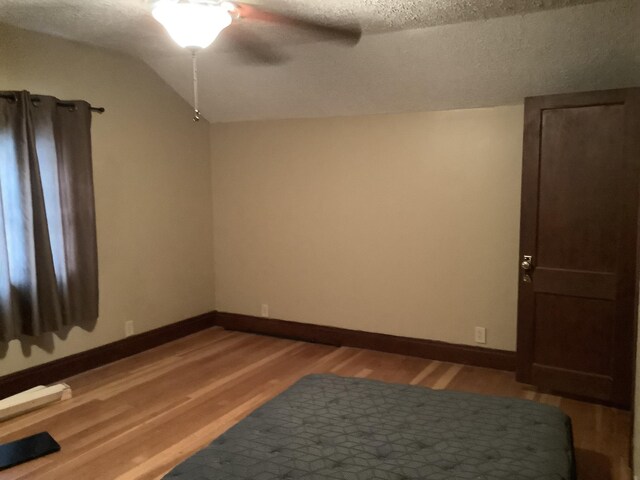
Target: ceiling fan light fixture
[[192, 24]]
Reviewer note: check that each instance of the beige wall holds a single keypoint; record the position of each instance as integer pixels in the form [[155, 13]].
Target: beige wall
[[402, 224], [152, 183]]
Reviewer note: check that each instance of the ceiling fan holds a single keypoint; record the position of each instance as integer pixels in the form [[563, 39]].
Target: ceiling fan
[[195, 24]]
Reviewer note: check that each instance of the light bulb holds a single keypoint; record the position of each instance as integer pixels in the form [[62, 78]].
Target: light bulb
[[192, 25]]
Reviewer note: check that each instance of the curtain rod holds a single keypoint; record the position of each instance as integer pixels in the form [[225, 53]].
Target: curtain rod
[[36, 99]]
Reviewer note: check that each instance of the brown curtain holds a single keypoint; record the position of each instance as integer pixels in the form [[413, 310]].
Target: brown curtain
[[48, 253]]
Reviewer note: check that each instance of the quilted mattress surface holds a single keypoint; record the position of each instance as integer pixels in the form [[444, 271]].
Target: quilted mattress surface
[[330, 427]]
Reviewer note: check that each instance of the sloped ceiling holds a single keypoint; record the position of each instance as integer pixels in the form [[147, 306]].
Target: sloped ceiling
[[415, 55]]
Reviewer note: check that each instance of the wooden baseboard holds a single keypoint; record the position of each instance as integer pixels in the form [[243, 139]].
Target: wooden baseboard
[[448, 352], [80, 362]]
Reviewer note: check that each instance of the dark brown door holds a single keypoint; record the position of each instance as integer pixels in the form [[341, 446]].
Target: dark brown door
[[580, 190]]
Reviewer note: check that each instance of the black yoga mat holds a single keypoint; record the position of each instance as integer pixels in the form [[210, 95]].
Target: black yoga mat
[[25, 449]]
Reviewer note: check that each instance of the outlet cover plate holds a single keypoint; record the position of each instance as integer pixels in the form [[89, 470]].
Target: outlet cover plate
[[128, 328]]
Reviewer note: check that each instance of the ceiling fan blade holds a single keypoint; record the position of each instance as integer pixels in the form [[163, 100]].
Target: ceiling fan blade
[[346, 34], [250, 46]]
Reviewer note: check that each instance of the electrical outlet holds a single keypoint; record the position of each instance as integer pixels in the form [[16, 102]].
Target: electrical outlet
[[128, 328], [481, 335], [264, 311]]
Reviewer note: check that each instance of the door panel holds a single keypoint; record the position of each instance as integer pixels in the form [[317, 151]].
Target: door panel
[[576, 306], [566, 326], [579, 178]]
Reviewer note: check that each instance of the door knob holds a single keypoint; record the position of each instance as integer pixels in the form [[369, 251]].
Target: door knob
[[527, 263]]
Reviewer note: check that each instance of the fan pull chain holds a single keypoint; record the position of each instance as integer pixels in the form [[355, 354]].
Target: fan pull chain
[[196, 112]]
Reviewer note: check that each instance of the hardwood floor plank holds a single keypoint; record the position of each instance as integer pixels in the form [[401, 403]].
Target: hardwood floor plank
[[425, 372], [447, 377], [164, 460]]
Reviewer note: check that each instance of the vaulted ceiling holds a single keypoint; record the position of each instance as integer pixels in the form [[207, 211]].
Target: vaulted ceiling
[[415, 54]]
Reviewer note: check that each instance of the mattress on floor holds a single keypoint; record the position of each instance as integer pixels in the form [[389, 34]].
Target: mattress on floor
[[329, 427]]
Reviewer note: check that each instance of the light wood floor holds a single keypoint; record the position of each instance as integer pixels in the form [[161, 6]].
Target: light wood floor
[[137, 418]]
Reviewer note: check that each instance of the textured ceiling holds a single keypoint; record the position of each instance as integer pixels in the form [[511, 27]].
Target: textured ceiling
[[415, 55]]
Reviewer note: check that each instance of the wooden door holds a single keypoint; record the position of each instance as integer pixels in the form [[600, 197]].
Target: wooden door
[[579, 224]]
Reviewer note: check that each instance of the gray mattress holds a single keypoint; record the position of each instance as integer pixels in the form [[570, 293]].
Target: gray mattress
[[329, 427]]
